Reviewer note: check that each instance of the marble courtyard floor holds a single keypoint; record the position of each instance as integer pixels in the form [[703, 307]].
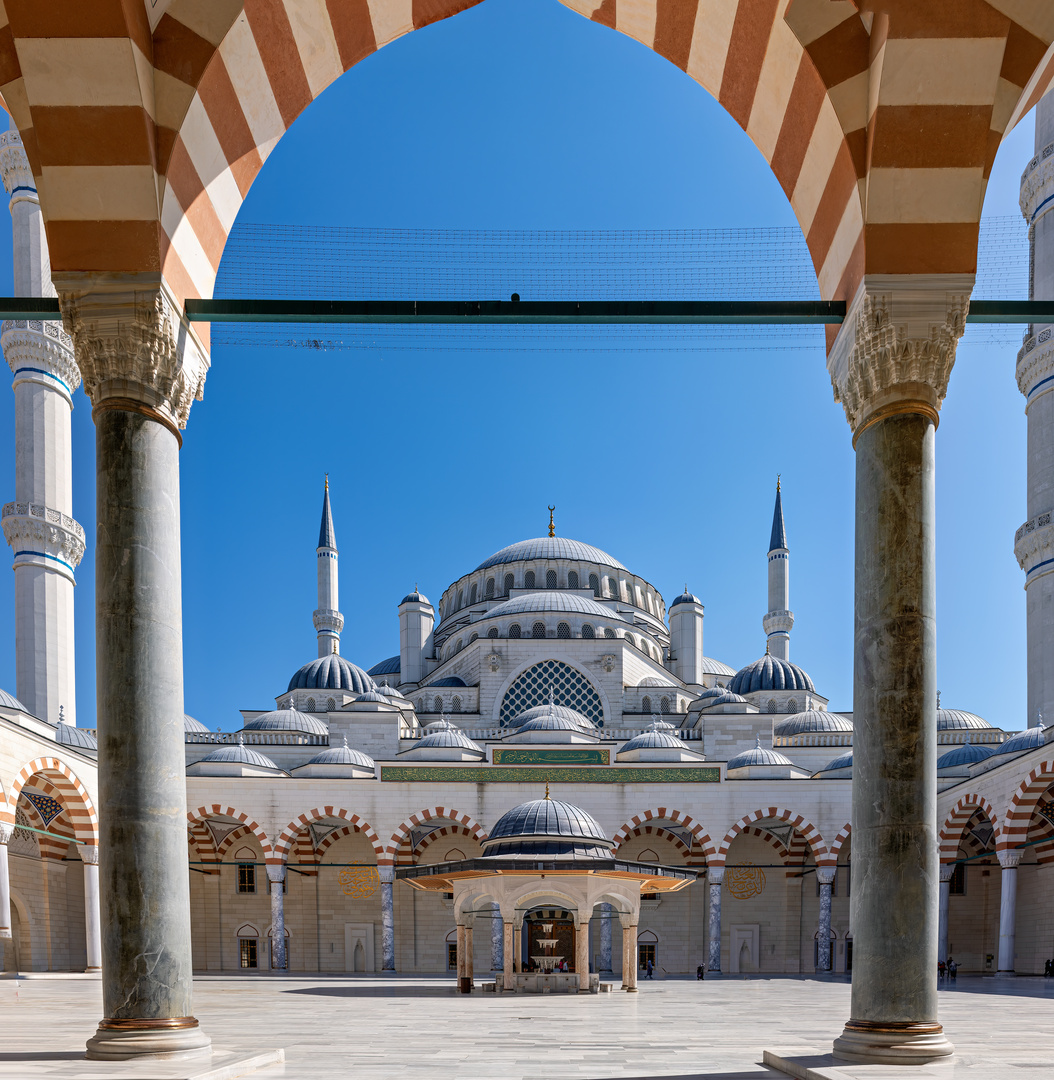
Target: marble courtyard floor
[[409, 1027]]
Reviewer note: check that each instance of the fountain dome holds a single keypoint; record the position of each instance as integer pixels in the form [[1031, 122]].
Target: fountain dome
[[547, 827]]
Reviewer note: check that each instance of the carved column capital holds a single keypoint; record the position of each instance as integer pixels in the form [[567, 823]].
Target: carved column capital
[[825, 874], [89, 855], [946, 871], [895, 350], [134, 347], [715, 875], [275, 873], [1009, 858], [7, 830]]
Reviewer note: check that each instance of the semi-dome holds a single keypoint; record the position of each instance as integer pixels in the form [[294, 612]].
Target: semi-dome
[[7, 701], [450, 680], [770, 673], [69, 735], [810, 721], [190, 724], [686, 598], [957, 720], [239, 754], [331, 672], [757, 755], [966, 754], [547, 827], [343, 755], [391, 666], [287, 720], [576, 718], [550, 547], [1028, 739], [553, 600]]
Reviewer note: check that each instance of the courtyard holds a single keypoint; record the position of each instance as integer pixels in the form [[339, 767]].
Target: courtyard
[[382, 1027]]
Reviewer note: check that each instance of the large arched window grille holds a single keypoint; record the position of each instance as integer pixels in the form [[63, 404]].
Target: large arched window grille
[[563, 630], [645, 704], [594, 584], [510, 583], [514, 630], [572, 579], [528, 580], [570, 688], [587, 631], [538, 630], [664, 706], [492, 632], [550, 579], [472, 594], [455, 704], [490, 588], [608, 632]]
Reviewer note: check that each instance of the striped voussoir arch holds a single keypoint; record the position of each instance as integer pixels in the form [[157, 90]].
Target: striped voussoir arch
[[808, 831], [954, 825], [218, 810], [318, 813], [204, 843], [673, 817], [408, 856], [1023, 805], [657, 832], [228, 842], [775, 843], [845, 835], [54, 777], [440, 815], [332, 837]]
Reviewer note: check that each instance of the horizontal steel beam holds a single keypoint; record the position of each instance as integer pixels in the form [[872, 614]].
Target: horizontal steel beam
[[540, 312]]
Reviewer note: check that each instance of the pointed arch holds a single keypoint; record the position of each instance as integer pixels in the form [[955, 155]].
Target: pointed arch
[[845, 834], [809, 831], [439, 814], [676, 817], [319, 813], [218, 810], [952, 831], [60, 781], [1023, 805]]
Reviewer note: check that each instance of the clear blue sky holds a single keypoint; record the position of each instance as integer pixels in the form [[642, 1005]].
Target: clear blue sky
[[522, 115]]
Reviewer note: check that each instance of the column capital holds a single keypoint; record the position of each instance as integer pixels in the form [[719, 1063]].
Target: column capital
[[894, 352], [276, 872], [715, 875], [133, 345], [89, 854], [946, 871], [386, 874], [825, 874], [7, 830], [1009, 858]]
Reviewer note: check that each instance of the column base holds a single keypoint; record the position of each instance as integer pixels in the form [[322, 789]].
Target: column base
[[892, 1043], [173, 1040]]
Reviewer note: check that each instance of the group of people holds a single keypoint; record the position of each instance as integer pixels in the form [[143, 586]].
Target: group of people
[[950, 969]]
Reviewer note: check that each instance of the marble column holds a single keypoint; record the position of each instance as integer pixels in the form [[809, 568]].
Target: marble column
[[716, 877], [825, 876], [607, 917], [141, 366], [276, 880], [508, 955], [517, 948], [897, 329], [6, 832], [629, 958], [461, 965], [497, 939], [387, 876], [582, 955], [92, 914], [1008, 860], [470, 964], [946, 871]]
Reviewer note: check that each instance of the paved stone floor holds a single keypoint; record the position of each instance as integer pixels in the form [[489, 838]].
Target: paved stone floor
[[403, 1027]]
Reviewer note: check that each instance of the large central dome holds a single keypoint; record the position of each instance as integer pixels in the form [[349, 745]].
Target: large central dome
[[550, 547]]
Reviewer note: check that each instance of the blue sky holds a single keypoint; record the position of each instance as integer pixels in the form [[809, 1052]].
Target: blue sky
[[520, 115]]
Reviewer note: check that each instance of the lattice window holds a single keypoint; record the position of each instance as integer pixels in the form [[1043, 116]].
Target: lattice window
[[510, 583], [792, 705], [563, 630], [613, 588], [309, 705], [455, 704], [645, 704], [664, 706], [528, 580], [473, 638], [550, 579], [331, 704], [538, 630], [594, 584], [771, 707], [587, 631], [572, 579], [570, 687], [492, 632], [437, 704], [23, 842], [608, 632], [490, 588], [514, 630]]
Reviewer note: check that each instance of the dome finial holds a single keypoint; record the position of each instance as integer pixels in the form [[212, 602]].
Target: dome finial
[[327, 481], [345, 742], [547, 788], [552, 527], [552, 695], [757, 741], [241, 738], [767, 643], [777, 483]]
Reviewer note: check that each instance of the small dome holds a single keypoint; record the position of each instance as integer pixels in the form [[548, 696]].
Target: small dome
[[575, 718], [957, 720], [391, 666], [190, 724], [770, 673], [712, 692], [344, 755], [415, 597], [758, 755], [726, 697], [450, 680], [547, 548], [652, 681], [331, 672], [653, 738], [966, 754], [287, 720], [547, 827], [549, 721], [1028, 739], [447, 736], [374, 695], [240, 754], [9, 702], [843, 761], [389, 691], [812, 720], [686, 598], [69, 735]]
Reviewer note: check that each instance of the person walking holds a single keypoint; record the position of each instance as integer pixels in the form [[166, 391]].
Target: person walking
[[649, 969], [700, 972], [953, 969]]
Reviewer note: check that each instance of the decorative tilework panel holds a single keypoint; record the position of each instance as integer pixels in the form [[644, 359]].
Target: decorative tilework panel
[[498, 774]]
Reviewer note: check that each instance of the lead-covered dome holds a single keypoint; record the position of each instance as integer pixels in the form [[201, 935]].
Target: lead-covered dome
[[966, 754], [391, 666], [7, 701], [562, 711], [957, 720], [552, 600], [547, 827], [287, 720], [653, 739], [1028, 739], [686, 598], [239, 754], [192, 725], [78, 738], [757, 755], [809, 722], [331, 672], [344, 755], [770, 673], [550, 547]]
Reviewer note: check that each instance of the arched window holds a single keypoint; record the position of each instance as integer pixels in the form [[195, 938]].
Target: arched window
[[331, 705], [459, 646], [612, 588], [309, 705], [510, 583], [792, 705], [645, 704], [664, 706], [490, 588], [608, 632], [648, 855], [563, 630], [570, 686], [538, 630], [572, 579], [594, 584], [437, 704], [587, 631], [514, 630], [473, 638], [492, 632], [631, 639], [528, 580], [550, 579], [472, 594], [455, 704], [460, 599], [771, 707]]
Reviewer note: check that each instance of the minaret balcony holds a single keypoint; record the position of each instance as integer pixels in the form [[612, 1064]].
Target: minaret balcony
[[40, 352], [42, 536], [778, 622]]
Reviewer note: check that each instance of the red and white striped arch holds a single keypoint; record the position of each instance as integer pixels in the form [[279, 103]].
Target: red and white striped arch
[[439, 815], [331, 838], [845, 835], [320, 813], [229, 813], [658, 833], [451, 833], [54, 777], [204, 843], [802, 825], [955, 824], [652, 818], [1023, 805]]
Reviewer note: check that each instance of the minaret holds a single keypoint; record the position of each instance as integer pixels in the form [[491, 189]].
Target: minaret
[[328, 620], [1034, 542], [39, 525], [779, 620]]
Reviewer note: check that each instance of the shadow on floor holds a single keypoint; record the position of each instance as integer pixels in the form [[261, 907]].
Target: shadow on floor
[[45, 1055], [378, 989]]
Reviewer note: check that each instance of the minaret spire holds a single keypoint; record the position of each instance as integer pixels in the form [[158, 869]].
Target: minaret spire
[[779, 620], [327, 618]]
